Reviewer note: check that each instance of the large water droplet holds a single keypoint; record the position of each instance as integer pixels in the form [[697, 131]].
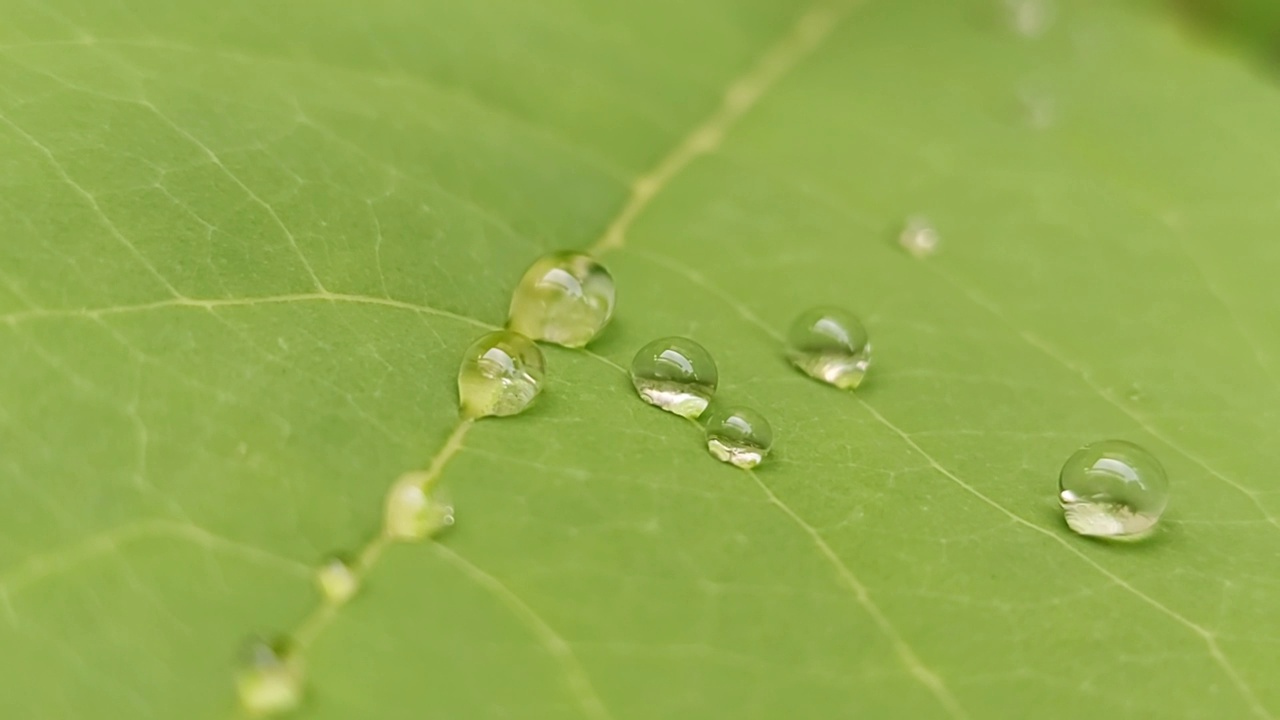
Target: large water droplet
[[830, 345], [739, 436], [566, 298], [413, 513], [1113, 489], [501, 374], [675, 374], [337, 581], [269, 680]]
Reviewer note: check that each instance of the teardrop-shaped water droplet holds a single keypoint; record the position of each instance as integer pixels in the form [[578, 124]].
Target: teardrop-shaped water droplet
[[739, 436], [337, 581], [830, 345], [501, 374], [1113, 489], [675, 374], [565, 298], [413, 513], [269, 680]]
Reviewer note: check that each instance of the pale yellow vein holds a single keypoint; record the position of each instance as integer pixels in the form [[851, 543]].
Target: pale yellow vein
[[323, 615], [906, 656], [1210, 640], [578, 681], [214, 303], [743, 93], [37, 568]]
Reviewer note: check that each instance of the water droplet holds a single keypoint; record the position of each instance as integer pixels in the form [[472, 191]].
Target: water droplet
[[338, 583], [675, 374], [412, 513], [269, 681], [739, 436], [1113, 489], [1030, 18], [501, 374], [919, 237], [566, 298], [830, 345]]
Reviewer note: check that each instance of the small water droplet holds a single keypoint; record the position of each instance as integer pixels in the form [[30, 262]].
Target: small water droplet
[[739, 436], [1030, 18], [338, 583], [675, 374], [1113, 489], [565, 298], [919, 237], [269, 681], [830, 345], [412, 513], [501, 374]]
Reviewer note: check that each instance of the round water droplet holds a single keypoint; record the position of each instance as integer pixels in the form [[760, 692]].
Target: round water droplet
[[675, 374], [501, 374], [739, 436], [1113, 489], [338, 583], [566, 298], [269, 680], [411, 512], [919, 237], [830, 345]]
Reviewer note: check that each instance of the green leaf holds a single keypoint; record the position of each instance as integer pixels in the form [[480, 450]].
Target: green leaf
[[244, 244]]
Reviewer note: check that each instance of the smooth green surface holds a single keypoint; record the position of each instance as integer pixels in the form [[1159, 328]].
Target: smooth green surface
[[171, 471]]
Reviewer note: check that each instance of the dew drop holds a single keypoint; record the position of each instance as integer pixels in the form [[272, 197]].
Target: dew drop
[[565, 298], [675, 374], [830, 345], [739, 436], [269, 681], [337, 581], [919, 237], [1030, 18], [1113, 489], [412, 513], [501, 374]]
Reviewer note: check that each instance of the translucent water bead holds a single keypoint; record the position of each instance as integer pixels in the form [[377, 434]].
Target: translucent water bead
[[830, 345], [501, 374], [1113, 489], [413, 511], [565, 298], [269, 680], [739, 436], [675, 374]]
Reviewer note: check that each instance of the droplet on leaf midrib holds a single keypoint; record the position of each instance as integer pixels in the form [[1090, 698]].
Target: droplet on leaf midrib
[[566, 298], [501, 374]]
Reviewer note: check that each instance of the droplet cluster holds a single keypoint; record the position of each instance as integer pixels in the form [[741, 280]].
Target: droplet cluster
[[1110, 489]]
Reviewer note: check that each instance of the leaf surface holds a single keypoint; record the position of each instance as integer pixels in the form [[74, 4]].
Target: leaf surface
[[245, 243]]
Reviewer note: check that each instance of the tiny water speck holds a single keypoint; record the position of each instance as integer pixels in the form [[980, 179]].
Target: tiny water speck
[[1113, 489], [501, 374], [338, 583], [1030, 18], [831, 345], [269, 680], [919, 237], [413, 513], [565, 298], [739, 436], [675, 374]]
